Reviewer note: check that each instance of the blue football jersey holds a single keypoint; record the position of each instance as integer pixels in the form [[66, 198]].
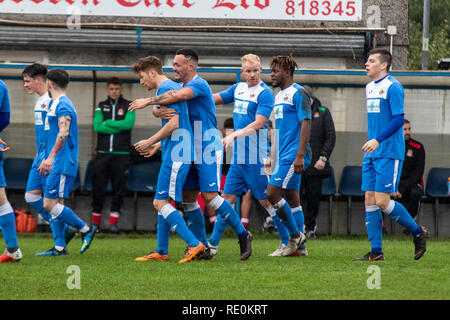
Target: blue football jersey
[[292, 106], [385, 99], [66, 160], [4, 110], [202, 114], [40, 112], [249, 102], [179, 146]]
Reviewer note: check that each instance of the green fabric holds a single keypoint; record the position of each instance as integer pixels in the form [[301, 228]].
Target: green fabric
[[115, 152], [100, 126], [122, 125]]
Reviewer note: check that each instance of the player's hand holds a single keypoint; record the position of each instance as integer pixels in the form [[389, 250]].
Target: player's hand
[[320, 164], [370, 146], [142, 145], [299, 165], [396, 195], [137, 104], [148, 153], [163, 112], [268, 166], [3, 146], [46, 166], [228, 141]]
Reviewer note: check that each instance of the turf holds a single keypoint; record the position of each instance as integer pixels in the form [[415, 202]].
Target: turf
[[108, 271]]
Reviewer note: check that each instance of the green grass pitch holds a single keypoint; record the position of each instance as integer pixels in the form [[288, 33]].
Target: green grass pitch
[[108, 271]]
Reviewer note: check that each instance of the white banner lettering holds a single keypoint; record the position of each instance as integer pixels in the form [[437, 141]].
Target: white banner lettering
[[332, 10]]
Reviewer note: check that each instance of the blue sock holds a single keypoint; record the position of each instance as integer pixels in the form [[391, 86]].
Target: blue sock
[[299, 218], [196, 223], [8, 225], [58, 230], [162, 234], [399, 213], [39, 207], [225, 209], [283, 232], [68, 216], [289, 220], [176, 221], [219, 228], [374, 226]]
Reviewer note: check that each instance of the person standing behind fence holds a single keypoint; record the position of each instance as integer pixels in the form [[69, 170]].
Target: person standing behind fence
[[322, 141], [113, 123], [410, 188]]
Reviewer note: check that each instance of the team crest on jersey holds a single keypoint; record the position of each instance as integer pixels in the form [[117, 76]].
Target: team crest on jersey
[[409, 153], [286, 97], [381, 92], [120, 112], [43, 106], [316, 115], [252, 96]]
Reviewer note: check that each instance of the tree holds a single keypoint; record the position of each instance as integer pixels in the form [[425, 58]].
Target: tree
[[439, 43]]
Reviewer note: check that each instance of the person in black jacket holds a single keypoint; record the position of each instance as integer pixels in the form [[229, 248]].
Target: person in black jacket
[[410, 188], [113, 123], [322, 141]]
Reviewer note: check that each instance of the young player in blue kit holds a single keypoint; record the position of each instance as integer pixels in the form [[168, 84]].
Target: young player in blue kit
[[293, 126], [384, 155], [7, 218], [252, 105], [61, 161], [176, 161], [35, 81], [205, 173]]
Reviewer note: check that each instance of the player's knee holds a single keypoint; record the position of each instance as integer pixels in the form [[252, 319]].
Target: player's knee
[[382, 203], [30, 197], [159, 204], [49, 204]]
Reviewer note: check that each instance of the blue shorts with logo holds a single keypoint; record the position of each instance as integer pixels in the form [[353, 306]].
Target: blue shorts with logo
[[171, 179], [205, 176], [242, 177], [35, 181], [58, 186], [381, 174], [285, 177]]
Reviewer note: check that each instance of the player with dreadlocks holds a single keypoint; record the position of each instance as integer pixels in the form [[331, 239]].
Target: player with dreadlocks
[[293, 125]]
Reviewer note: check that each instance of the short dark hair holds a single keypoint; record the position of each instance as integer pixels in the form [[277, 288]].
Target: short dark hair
[[385, 56], [287, 63], [407, 121], [190, 54], [147, 63], [36, 70], [59, 77], [228, 123], [114, 80]]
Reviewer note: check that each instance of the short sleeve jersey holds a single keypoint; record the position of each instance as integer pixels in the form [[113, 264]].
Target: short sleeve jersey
[[292, 106], [66, 160], [4, 106], [249, 102], [40, 112], [202, 114], [385, 99], [178, 147]]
